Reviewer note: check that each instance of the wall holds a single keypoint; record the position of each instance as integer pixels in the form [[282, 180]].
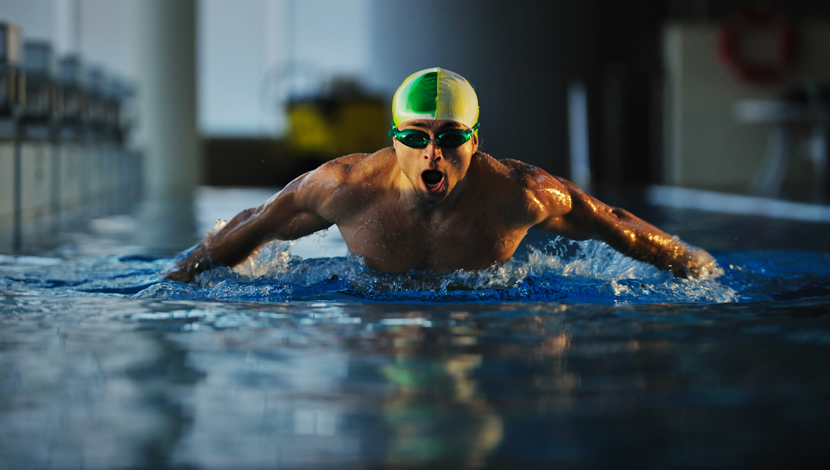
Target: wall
[[706, 145]]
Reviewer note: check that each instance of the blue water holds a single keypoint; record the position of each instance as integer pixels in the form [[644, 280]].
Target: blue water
[[568, 356], [553, 269], [558, 271]]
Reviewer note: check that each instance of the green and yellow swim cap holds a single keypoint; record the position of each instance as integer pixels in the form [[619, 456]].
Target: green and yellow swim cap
[[435, 94]]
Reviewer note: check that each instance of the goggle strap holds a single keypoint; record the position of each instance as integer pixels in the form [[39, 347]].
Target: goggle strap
[[393, 132]]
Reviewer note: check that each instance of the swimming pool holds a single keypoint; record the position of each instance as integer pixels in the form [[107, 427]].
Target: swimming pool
[[569, 356]]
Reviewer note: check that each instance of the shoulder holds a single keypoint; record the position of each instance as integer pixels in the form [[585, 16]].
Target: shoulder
[[543, 194], [337, 174], [354, 168], [524, 175], [361, 160], [337, 187]]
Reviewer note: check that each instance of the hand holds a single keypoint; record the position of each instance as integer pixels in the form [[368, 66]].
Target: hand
[[186, 269], [699, 264], [179, 274]]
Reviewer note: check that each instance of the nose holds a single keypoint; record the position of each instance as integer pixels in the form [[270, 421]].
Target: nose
[[432, 152]]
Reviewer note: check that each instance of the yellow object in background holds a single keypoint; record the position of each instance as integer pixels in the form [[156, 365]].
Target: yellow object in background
[[310, 133], [360, 127], [332, 126]]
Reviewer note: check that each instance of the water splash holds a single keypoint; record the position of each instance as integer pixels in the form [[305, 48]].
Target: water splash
[[559, 270], [543, 270]]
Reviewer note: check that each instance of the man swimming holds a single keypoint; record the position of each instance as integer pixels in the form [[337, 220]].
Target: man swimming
[[434, 202]]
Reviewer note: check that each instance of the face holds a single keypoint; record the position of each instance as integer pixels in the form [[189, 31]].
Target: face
[[435, 171]]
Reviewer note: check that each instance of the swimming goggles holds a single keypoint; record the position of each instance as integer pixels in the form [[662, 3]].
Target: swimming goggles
[[451, 138]]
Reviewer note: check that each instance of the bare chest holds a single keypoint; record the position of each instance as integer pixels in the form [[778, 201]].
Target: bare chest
[[394, 240]]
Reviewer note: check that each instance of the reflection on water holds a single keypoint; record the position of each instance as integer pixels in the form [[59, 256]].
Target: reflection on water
[[104, 366], [101, 382], [437, 408], [84, 391]]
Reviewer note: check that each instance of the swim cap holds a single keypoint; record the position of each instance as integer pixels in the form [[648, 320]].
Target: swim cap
[[436, 94]]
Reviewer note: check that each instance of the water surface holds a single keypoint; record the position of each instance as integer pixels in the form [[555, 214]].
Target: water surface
[[569, 356]]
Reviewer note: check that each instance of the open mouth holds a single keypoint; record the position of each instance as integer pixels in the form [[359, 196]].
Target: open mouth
[[432, 178]]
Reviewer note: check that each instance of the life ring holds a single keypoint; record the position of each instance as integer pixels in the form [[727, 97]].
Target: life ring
[[733, 31]]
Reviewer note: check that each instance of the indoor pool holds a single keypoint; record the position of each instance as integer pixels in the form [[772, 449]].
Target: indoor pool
[[569, 356]]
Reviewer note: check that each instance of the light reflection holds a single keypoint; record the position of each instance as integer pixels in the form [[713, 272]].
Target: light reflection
[[437, 411], [315, 422], [555, 346]]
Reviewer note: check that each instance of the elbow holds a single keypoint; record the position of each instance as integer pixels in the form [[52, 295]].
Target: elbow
[[622, 215], [239, 224], [243, 216]]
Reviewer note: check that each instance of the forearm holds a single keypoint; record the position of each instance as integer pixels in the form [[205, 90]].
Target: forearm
[[653, 247], [580, 216], [228, 247], [644, 242], [296, 211]]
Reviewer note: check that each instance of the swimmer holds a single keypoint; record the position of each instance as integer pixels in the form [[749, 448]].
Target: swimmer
[[434, 202]]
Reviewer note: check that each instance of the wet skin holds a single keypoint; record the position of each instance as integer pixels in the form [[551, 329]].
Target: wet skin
[[437, 209]]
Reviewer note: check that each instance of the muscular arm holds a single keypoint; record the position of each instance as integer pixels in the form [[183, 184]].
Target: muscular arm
[[292, 213], [577, 215]]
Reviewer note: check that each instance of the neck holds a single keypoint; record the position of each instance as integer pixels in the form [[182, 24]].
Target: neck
[[422, 202]]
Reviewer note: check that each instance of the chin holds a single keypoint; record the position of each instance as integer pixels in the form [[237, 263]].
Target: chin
[[435, 198]]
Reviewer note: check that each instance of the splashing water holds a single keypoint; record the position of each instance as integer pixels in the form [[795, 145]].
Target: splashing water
[[560, 270]]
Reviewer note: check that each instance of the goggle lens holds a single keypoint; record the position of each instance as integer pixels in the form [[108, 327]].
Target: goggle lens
[[416, 139], [419, 139], [453, 139]]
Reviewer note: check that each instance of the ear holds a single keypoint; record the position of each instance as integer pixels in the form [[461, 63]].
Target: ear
[[474, 140]]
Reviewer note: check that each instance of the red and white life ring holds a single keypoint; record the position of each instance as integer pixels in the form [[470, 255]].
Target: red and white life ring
[[734, 30]]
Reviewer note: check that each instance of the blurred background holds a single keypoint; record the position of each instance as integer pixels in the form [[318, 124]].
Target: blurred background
[[146, 100]]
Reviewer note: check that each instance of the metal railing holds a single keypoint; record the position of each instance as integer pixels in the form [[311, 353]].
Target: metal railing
[[63, 142]]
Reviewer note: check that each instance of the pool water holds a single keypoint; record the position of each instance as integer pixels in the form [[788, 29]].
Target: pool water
[[568, 356]]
